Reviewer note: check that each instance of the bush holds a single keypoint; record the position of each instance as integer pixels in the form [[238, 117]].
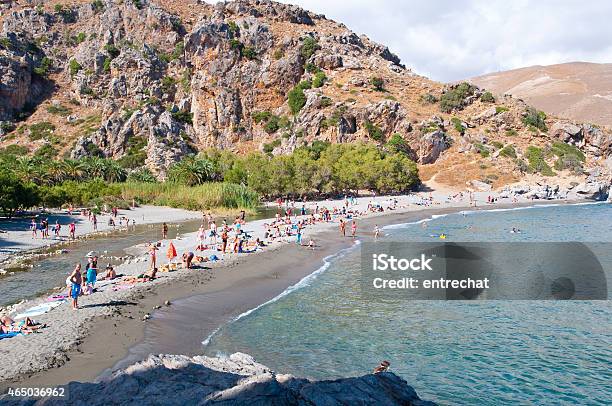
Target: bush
[[397, 143], [278, 54], [142, 175], [508, 151], [309, 47], [428, 98], [269, 148], [74, 67], [458, 124], [319, 79], [454, 98], [59, 110], [97, 5], [497, 144], [535, 119], [43, 129], [482, 149], [487, 97], [272, 125], [106, 67], [501, 109], [249, 53], [536, 162], [183, 116], [511, 133], [569, 157], [374, 132], [168, 84], [259, 116], [296, 99], [43, 68], [112, 50], [311, 68], [377, 83], [326, 101]]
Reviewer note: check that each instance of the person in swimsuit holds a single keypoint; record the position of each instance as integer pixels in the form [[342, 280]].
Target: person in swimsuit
[[353, 228], [75, 291]]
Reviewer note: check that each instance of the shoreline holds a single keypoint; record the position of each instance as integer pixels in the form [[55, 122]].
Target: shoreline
[[228, 293], [19, 234]]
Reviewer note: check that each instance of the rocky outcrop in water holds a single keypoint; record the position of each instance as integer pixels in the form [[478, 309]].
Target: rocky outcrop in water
[[236, 380]]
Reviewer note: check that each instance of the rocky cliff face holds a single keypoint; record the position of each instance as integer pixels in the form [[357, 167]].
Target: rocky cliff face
[[237, 380], [149, 82]]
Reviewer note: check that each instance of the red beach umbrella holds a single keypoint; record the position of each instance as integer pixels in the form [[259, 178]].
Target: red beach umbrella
[[171, 253]]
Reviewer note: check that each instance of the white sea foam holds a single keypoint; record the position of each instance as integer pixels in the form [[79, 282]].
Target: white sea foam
[[304, 282]]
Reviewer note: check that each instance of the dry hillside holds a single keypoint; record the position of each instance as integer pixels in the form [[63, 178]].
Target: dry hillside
[[148, 82]]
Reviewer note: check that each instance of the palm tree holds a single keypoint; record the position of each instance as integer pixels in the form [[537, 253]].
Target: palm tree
[[191, 171], [74, 169], [114, 172], [54, 172], [94, 167]]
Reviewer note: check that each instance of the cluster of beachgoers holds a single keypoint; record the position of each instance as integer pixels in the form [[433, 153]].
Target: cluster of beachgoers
[[40, 332]]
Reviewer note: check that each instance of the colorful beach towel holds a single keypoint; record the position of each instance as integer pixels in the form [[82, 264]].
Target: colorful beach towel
[[9, 335]]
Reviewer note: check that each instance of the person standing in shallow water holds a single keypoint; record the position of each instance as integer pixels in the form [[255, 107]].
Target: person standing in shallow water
[[342, 228], [353, 229], [164, 231]]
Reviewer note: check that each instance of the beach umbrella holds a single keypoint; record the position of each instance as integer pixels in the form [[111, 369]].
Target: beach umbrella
[[171, 253]]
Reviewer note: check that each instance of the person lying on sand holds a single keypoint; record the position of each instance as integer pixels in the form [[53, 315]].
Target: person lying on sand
[[145, 277], [25, 326]]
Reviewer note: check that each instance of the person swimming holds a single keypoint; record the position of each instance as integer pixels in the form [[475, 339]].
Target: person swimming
[[383, 367]]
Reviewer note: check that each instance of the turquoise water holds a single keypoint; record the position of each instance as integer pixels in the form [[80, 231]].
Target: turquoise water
[[486, 352]]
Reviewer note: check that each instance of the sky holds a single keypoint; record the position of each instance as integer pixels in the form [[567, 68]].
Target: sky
[[452, 40]]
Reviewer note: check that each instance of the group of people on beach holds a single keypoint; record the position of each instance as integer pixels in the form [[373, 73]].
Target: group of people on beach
[[43, 227]]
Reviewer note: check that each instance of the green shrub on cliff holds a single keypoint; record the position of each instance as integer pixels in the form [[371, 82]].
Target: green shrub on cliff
[[536, 162]]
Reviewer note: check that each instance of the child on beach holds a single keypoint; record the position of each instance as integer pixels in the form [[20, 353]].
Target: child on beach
[[76, 280], [72, 229], [164, 231], [353, 228]]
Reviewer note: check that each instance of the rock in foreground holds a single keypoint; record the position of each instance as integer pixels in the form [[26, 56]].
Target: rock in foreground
[[182, 380]]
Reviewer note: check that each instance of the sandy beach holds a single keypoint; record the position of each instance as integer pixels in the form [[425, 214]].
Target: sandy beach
[[109, 326]]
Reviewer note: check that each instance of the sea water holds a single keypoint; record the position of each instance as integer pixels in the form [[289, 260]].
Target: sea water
[[452, 352]]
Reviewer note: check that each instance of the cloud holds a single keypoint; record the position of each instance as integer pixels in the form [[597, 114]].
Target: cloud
[[451, 40]]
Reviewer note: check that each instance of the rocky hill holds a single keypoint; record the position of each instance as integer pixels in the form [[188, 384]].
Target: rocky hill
[[236, 380], [577, 90], [147, 82]]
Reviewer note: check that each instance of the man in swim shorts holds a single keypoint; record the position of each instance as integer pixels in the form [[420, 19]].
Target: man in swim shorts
[[76, 280]]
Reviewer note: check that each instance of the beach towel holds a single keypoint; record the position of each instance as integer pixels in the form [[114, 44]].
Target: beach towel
[[38, 310], [57, 298], [213, 257], [9, 335]]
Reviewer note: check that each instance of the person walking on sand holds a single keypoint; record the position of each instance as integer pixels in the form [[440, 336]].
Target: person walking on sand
[[342, 228], [94, 220], [57, 229], [33, 228], [353, 229], [164, 231], [153, 254], [76, 279], [72, 229], [376, 231]]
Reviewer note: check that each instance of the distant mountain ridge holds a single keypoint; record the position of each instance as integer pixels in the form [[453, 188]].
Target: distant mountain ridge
[[576, 90]]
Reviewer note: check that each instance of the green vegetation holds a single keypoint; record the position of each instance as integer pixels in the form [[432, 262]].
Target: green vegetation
[[269, 147], [374, 132], [311, 68], [202, 197], [508, 151], [569, 157], [428, 98], [249, 53], [43, 129], [536, 162], [319, 79], [535, 119], [326, 101], [80, 37], [482, 149], [458, 124], [43, 68], [397, 143], [497, 144], [184, 116], [168, 84], [500, 109], [58, 109], [309, 47], [97, 5], [137, 4], [487, 97], [511, 133], [296, 98], [112, 50], [378, 83], [454, 98], [259, 116], [106, 66], [278, 54], [74, 66]]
